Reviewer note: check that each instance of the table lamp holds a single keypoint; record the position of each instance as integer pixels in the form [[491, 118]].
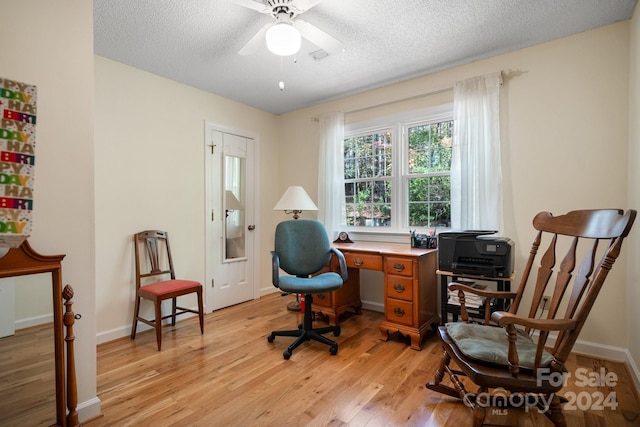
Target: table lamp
[[295, 200]]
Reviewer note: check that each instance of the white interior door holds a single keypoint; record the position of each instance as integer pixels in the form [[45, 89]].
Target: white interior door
[[230, 260]]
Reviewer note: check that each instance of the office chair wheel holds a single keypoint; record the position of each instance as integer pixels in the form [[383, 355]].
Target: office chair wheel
[[286, 355], [336, 332], [271, 338], [333, 350]]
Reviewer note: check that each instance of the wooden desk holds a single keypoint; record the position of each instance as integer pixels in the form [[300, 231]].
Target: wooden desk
[[410, 287]]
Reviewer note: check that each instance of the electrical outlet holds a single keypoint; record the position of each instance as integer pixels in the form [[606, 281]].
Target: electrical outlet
[[545, 302]]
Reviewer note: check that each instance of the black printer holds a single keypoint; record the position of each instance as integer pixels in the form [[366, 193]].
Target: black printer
[[475, 252]]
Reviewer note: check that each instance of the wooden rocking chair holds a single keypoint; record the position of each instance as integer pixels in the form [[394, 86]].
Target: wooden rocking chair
[[506, 358]]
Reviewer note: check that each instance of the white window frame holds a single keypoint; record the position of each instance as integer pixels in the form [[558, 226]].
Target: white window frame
[[397, 124]]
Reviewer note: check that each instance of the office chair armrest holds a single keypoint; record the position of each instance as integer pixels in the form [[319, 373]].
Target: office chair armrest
[[275, 269], [343, 264]]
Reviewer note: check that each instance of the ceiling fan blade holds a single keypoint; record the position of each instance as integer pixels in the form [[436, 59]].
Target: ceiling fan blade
[[303, 5], [255, 5], [318, 37], [256, 42]]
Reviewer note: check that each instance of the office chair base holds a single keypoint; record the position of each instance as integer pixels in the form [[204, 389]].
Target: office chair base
[[303, 335]]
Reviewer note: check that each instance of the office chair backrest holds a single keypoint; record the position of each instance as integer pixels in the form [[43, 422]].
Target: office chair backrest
[[302, 246]]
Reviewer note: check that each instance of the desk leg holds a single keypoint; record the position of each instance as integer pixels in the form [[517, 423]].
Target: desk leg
[[416, 334]]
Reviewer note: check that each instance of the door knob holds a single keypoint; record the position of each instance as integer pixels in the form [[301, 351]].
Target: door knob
[[251, 227]]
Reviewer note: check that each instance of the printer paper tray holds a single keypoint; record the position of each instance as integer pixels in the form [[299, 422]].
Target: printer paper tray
[[480, 270]]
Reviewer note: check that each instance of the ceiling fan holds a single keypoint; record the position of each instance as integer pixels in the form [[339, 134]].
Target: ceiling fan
[[283, 36]]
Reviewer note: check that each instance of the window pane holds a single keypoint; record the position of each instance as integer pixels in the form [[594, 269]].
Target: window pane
[[349, 168], [369, 173], [381, 216], [368, 158], [429, 204], [430, 147]]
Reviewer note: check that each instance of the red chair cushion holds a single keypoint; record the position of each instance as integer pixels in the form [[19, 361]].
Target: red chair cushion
[[169, 286]]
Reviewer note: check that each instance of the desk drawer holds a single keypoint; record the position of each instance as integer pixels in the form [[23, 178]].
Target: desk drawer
[[359, 260], [400, 287], [402, 266], [398, 311]]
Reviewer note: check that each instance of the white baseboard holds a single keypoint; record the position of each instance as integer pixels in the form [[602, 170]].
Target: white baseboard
[[89, 409], [607, 352], [125, 331], [114, 334], [633, 370], [601, 351], [373, 306], [588, 348], [268, 290], [33, 321]]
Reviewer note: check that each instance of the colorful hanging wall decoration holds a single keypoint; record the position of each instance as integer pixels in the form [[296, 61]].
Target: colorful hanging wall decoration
[[17, 160]]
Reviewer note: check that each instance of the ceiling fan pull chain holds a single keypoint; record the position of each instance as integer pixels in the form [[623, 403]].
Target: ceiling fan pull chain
[[281, 84]]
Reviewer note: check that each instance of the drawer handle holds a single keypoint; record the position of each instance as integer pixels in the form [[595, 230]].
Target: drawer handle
[[358, 261], [398, 288], [398, 267], [398, 311], [321, 296]]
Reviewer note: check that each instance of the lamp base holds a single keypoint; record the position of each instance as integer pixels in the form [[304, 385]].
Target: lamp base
[[294, 305]]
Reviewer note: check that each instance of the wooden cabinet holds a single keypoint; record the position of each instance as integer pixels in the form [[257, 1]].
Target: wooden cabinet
[[410, 287], [410, 295], [334, 304]]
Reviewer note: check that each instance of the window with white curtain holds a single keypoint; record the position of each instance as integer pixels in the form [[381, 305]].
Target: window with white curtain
[[397, 172]]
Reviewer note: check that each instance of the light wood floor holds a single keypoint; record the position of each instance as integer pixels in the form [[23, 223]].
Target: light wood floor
[[27, 378], [232, 376]]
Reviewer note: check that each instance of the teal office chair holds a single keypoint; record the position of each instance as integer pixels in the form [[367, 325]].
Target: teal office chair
[[302, 249]]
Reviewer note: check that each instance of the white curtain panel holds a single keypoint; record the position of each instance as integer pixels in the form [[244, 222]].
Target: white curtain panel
[[476, 171], [331, 173]]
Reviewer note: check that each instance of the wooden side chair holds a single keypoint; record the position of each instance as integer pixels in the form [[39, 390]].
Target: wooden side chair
[[154, 263], [510, 359]]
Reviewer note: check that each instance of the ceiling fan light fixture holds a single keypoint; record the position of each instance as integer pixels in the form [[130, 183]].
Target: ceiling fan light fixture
[[283, 39]]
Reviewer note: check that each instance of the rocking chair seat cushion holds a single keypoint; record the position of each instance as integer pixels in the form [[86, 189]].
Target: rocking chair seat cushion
[[490, 344], [169, 286]]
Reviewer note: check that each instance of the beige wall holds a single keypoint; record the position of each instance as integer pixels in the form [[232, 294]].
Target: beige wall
[[150, 174], [633, 282], [564, 125], [566, 121], [50, 44]]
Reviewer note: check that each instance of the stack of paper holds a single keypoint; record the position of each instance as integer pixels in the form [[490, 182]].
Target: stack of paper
[[470, 300]]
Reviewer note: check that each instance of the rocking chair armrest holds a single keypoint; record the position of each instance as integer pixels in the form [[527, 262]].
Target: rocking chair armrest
[[503, 318], [453, 286]]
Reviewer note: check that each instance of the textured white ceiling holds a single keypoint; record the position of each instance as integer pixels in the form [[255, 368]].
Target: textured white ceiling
[[196, 41]]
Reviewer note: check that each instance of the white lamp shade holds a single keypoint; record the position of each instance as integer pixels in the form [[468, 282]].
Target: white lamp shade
[[231, 201], [283, 39], [295, 199]]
